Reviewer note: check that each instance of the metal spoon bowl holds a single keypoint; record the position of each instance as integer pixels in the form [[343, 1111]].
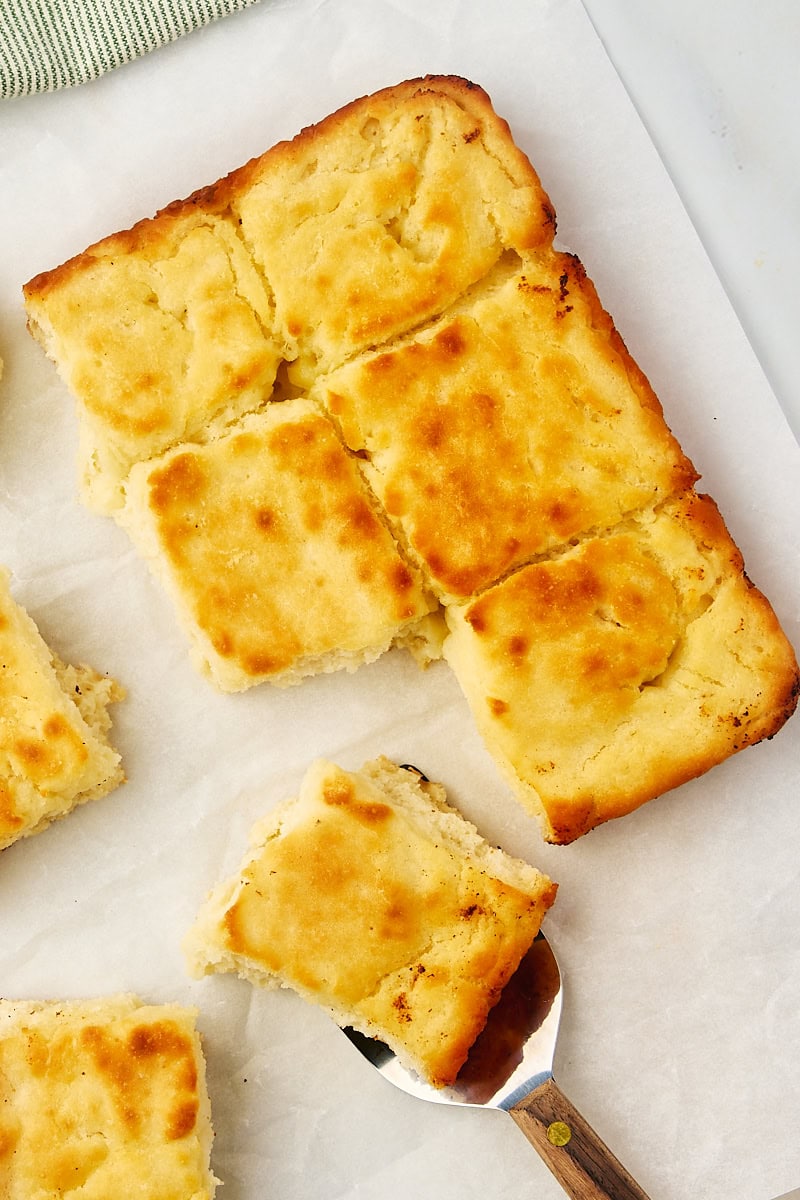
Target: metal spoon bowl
[[510, 1067]]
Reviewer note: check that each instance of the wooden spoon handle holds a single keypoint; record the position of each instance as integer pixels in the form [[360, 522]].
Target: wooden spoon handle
[[580, 1161]]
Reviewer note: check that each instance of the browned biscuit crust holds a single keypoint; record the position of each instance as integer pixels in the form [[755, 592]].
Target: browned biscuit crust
[[373, 897], [54, 753], [103, 1098], [269, 540], [624, 666], [514, 423]]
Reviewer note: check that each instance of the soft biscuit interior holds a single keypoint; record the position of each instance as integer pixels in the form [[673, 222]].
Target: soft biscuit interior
[[101, 1098], [417, 922], [54, 753], [388, 280]]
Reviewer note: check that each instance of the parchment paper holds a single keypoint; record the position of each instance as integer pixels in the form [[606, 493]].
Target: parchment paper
[[677, 927]]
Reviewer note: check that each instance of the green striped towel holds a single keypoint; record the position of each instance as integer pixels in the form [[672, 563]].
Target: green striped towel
[[50, 44]]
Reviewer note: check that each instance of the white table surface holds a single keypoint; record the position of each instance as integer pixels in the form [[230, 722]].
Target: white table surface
[[714, 82], [717, 85]]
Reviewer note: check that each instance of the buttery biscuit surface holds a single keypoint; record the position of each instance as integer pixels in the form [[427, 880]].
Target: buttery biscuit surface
[[507, 427], [360, 227], [100, 1099], [269, 542], [53, 719], [372, 897], [161, 332], [380, 216], [623, 667]]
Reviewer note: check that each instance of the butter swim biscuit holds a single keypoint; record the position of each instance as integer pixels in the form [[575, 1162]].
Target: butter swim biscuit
[[373, 897], [268, 541], [54, 753], [514, 423], [101, 1098], [621, 668]]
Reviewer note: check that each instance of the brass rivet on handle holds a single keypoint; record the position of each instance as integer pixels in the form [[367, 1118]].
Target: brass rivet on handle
[[559, 1133]]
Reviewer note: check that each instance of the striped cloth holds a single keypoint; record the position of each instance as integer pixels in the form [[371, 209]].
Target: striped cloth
[[50, 44]]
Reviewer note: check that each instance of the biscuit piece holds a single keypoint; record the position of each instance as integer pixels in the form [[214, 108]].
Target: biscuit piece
[[53, 718], [162, 332], [103, 1098], [269, 544], [623, 667], [513, 423], [374, 898], [380, 216]]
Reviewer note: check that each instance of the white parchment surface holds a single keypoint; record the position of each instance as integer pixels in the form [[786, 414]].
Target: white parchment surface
[[677, 927]]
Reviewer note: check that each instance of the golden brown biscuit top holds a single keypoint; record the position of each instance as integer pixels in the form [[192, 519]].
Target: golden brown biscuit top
[[160, 331], [38, 741], [48, 753], [385, 213], [609, 606], [270, 535], [374, 889], [625, 666], [106, 1100], [368, 909], [508, 427]]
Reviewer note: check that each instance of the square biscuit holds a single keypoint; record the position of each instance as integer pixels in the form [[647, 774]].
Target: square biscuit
[[623, 667], [511, 425], [54, 753], [268, 541], [374, 898], [163, 333], [103, 1098], [381, 215]]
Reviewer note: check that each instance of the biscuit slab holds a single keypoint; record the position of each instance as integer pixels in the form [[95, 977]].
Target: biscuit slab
[[54, 753], [269, 543], [623, 667], [103, 1098], [373, 897], [395, 265]]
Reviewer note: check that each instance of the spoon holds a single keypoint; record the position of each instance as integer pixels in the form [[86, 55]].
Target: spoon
[[510, 1067]]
